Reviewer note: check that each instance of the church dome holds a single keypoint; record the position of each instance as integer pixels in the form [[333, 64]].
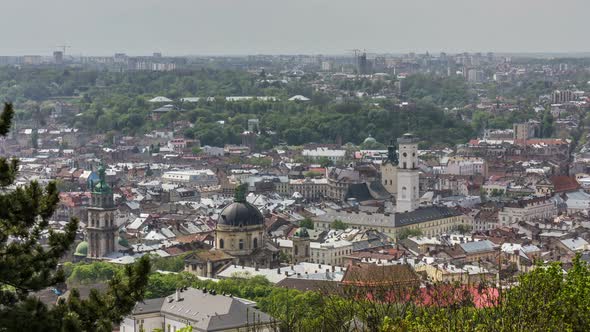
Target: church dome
[[239, 214], [370, 139], [123, 242], [81, 249]]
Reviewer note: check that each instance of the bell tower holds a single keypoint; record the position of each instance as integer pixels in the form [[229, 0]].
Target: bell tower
[[408, 198], [389, 169], [101, 229]]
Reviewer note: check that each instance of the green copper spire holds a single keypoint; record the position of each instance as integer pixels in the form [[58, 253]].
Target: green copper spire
[[240, 193], [102, 186]]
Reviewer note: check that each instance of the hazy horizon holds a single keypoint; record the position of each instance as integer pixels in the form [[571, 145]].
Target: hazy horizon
[[238, 27]]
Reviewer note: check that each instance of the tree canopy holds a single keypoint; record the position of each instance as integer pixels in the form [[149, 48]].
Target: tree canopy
[[28, 266]]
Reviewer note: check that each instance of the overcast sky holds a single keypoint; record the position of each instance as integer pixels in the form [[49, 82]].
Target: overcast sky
[[183, 27]]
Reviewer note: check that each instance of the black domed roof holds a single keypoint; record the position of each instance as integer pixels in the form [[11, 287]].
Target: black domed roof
[[240, 214]]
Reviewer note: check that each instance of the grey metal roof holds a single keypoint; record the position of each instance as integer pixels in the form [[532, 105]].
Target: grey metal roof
[[148, 306], [424, 214], [208, 312], [477, 246]]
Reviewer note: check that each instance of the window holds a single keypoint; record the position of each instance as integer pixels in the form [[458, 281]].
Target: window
[[296, 250], [220, 243], [255, 243], [241, 244]]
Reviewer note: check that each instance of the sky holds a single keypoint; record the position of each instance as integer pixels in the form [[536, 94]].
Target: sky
[[228, 27]]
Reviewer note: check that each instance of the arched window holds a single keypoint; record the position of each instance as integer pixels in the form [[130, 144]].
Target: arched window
[[255, 244], [241, 244], [404, 189], [296, 250], [220, 243], [306, 251]]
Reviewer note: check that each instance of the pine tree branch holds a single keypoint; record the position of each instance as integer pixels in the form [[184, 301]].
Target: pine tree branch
[[6, 119]]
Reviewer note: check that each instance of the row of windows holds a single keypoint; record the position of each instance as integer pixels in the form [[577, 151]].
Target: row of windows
[[240, 244], [108, 221]]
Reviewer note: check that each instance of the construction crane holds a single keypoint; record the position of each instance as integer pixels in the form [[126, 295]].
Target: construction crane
[[63, 47]]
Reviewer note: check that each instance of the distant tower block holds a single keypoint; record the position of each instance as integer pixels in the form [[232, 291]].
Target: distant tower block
[[407, 174], [58, 57]]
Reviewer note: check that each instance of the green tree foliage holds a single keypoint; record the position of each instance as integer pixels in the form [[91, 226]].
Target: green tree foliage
[[325, 162], [89, 273], [546, 299], [338, 224], [547, 125], [407, 232], [118, 102], [446, 91], [27, 266], [464, 229], [312, 174], [307, 223], [171, 264], [260, 161], [35, 139]]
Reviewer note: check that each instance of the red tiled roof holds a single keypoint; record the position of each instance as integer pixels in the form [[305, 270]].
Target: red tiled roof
[[546, 141], [562, 183]]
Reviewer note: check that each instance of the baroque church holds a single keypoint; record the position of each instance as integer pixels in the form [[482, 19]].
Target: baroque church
[[240, 238]]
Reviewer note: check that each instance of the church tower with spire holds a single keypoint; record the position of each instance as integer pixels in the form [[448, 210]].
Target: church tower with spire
[[101, 229], [389, 169]]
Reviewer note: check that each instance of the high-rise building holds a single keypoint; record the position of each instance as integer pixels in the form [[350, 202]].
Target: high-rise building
[[101, 228], [408, 185], [249, 139], [475, 75], [58, 57], [363, 65], [562, 96], [526, 130]]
